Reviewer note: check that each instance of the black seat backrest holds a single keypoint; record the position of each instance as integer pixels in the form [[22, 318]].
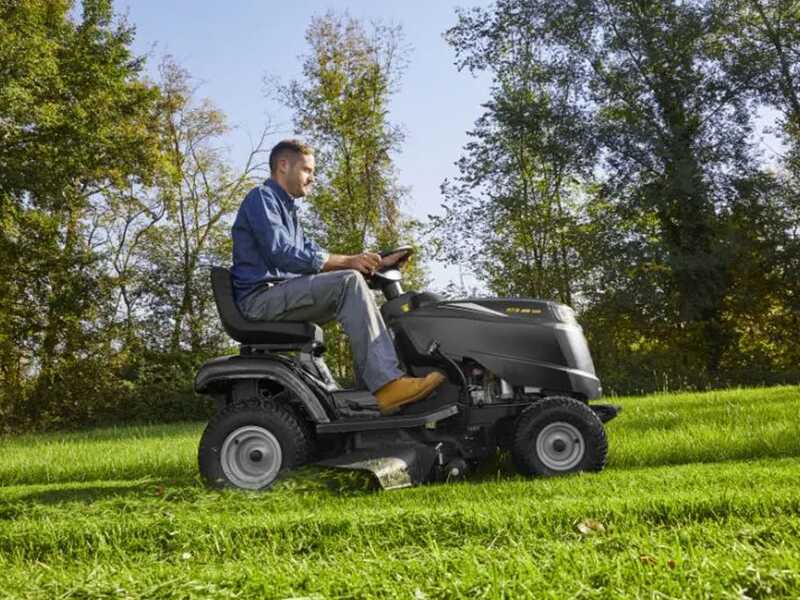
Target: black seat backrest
[[280, 334]]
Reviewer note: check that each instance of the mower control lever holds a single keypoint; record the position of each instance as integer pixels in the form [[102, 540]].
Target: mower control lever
[[451, 367]]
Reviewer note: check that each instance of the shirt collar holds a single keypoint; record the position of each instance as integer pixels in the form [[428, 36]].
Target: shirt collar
[[282, 194]]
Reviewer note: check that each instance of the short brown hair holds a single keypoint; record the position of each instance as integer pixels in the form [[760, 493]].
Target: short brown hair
[[284, 147]]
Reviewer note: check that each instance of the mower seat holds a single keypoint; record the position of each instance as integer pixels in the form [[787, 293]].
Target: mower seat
[[269, 335]]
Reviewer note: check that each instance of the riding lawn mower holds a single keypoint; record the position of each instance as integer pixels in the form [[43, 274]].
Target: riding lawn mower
[[519, 378]]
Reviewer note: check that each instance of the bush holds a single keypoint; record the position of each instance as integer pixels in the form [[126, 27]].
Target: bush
[[91, 391]]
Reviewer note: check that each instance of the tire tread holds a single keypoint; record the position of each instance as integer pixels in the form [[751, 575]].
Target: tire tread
[[298, 431], [595, 437]]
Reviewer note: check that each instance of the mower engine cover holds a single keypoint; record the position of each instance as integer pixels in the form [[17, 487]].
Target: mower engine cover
[[525, 342]]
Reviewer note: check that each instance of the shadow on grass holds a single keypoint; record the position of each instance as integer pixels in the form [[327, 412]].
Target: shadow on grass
[[500, 466], [318, 481], [679, 457], [108, 434], [19, 503], [39, 475]]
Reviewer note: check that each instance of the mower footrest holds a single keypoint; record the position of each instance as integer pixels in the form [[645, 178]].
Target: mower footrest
[[398, 422]]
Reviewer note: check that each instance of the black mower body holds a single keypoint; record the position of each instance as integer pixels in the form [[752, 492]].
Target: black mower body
[[534, 345]]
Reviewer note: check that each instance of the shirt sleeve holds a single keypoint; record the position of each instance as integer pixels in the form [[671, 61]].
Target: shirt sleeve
[[274, 240], [320, 256]]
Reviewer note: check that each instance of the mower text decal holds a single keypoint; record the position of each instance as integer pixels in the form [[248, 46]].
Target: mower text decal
[[516, 310]]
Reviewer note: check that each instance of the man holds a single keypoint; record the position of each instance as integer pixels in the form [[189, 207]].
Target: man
[[281, 275]]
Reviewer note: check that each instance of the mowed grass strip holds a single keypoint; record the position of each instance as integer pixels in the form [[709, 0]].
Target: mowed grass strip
[[700, 499]]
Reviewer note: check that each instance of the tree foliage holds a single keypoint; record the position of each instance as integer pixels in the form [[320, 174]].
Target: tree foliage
[[115, 194], [518, 175], [75, 120], [341, 106], [198, 190]]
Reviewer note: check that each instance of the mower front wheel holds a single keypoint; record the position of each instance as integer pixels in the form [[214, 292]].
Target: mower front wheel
[[248, 444], [559, 435]]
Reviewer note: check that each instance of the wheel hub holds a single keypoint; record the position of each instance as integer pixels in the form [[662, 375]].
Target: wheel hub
[[251, 457], [560, 446]]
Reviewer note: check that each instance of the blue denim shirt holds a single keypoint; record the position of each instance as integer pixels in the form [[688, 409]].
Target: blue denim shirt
[[268, 242]]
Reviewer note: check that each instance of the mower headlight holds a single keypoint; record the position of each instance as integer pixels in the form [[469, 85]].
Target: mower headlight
[[564, 313]]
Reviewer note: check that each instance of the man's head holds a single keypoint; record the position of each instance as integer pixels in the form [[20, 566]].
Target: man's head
[[291, 164]]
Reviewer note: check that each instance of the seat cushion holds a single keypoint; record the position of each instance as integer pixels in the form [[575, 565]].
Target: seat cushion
[[246, 331]]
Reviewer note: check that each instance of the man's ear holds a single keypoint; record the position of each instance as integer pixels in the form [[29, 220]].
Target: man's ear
[[283, 166]]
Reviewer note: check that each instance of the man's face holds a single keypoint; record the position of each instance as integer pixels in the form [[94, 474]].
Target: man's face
[[300, 175]]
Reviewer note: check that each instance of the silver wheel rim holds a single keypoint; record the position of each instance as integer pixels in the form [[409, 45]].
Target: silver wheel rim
[[251, 457], [560, 446]]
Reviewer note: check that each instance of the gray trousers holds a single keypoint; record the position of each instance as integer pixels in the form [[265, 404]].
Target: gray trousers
[[345, 296]]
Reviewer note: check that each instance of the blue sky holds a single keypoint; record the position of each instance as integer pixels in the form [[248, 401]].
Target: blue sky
[[229, 48]]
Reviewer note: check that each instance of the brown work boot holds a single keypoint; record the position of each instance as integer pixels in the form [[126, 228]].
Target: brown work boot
[[406, 390]]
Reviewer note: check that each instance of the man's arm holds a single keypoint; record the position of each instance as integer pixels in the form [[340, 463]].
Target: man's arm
[[366, 262]]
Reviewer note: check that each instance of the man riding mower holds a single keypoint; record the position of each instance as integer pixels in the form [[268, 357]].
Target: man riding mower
[[514, 374]]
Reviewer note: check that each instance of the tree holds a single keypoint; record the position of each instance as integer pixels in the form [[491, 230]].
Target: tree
[[158, 241], [765, 35], [512, 212], [199, 191], [341, 107], [125, 217], [650, 81], [114, 193], [75, 119]]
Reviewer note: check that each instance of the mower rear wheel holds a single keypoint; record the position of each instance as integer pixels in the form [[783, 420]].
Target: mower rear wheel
[[559, 435], [248, 444]]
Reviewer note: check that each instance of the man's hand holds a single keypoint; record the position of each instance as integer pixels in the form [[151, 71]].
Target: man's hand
[[366, 262]]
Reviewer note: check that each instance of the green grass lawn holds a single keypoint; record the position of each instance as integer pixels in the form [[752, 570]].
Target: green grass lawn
[[701, 498]]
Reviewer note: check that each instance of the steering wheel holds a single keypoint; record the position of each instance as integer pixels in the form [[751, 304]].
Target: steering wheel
[[405, 250], [391, 273]]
